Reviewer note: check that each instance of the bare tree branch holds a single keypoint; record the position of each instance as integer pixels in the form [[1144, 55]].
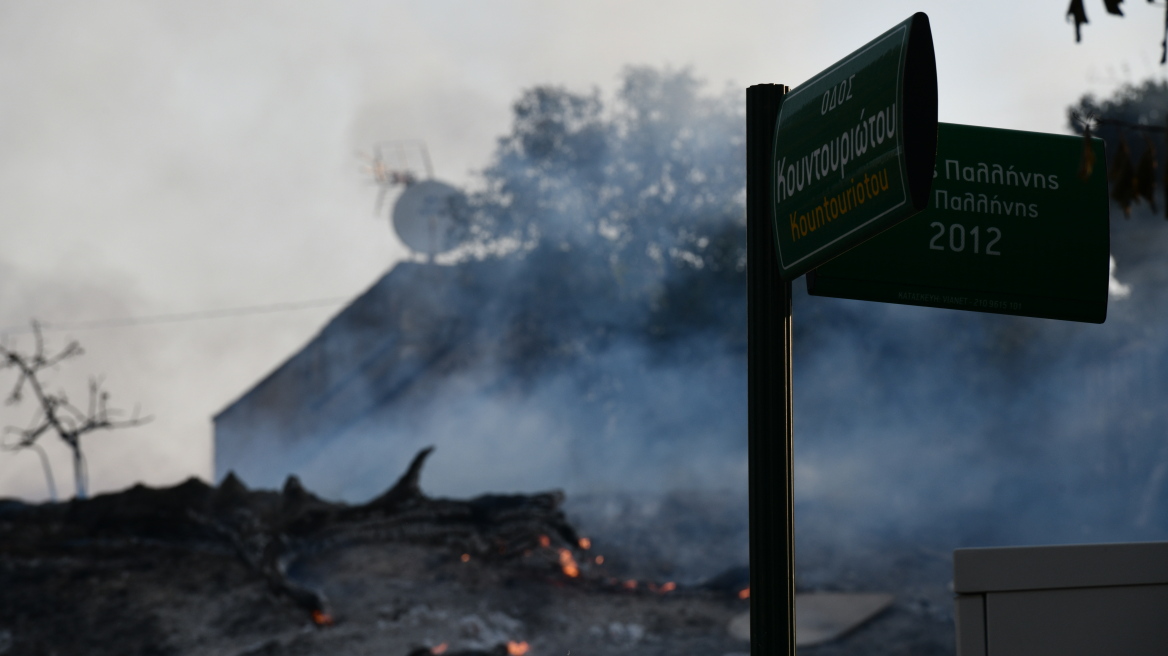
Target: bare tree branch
[[55, 413]]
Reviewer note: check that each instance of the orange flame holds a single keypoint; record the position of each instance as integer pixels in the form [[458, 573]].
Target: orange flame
[[321, 618], [669, 587], [585, 543], [545, 541], [465, 558], [600, 560], [516, 648], [568, 564], [744, 593], [630, 584], [438, 649]]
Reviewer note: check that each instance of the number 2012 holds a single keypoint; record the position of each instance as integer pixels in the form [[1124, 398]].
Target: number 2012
[[957, 238]]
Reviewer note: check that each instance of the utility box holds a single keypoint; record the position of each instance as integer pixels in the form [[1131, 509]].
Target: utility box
[[1069, 600]]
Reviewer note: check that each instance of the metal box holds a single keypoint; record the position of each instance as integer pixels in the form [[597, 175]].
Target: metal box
[[1070, 600]]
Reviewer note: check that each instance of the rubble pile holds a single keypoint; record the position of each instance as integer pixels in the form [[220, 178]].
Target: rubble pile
[[196, 569]]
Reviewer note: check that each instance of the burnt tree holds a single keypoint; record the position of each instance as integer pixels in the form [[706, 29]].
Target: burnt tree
[[55, 414]]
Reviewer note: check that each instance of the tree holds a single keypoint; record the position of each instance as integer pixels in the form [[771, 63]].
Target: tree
[[657, 169], [1078, 12], [1138, 111], [55, 413], [630, 204]]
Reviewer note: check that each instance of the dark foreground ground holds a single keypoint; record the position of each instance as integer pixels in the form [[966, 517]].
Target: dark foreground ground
[[228, 571], [387, 600], [691, 536]]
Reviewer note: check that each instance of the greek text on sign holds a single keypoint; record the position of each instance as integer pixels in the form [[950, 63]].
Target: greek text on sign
[[1011, 229], [854, 148]]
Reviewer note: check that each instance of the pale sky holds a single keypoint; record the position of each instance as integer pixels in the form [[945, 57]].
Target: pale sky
[[162, 158]]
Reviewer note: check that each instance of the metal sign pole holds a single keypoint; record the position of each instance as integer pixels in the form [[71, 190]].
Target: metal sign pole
[[771, 431]]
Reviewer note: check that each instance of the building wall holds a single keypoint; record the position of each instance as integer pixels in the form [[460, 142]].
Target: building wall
[[370, 353]]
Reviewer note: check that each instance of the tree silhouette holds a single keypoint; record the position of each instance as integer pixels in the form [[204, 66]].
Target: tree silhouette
[[55, 414], [638, 200], [1136, 111]]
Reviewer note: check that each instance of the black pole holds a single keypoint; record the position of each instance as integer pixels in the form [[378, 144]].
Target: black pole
[[771, 432]]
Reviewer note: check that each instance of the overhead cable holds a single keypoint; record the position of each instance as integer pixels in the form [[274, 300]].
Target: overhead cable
[[180, 317]]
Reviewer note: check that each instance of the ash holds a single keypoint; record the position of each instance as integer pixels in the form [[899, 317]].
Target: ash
[[702, 537], [193, 569]]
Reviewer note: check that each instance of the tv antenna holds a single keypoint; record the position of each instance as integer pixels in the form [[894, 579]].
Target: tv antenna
[[427, 213]]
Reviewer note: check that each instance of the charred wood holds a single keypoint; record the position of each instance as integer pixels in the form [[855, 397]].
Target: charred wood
[[269, 531]]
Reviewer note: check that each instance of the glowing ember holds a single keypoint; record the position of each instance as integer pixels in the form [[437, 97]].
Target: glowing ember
[[744, 593], [466, 558], [516, 648], [669, 587], [630, 584], [545, 541], [321, 618], [568, 563], [585, 543], [600, 560], [438, 649]]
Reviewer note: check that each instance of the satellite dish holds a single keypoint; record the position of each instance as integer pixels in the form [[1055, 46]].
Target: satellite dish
[[427, 215]]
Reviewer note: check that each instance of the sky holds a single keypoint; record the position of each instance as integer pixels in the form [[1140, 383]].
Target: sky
[[162, 159]]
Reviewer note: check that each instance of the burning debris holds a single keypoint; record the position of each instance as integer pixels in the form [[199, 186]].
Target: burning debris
[[509, 648], [227, 569], [269, 532]]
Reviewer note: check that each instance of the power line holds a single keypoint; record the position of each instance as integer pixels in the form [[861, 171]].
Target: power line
[[181, 317]]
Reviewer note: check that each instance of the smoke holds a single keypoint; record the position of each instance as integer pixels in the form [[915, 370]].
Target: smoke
[[962, 429], [1115, 288], [563, 432], [606, 357]]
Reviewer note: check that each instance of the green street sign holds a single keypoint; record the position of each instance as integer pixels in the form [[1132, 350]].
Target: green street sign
[[1011, 229], [854, 147]]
